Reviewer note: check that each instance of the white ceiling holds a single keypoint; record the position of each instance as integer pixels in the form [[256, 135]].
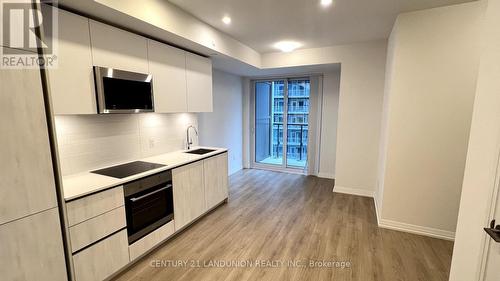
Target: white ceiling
[[261, 23]]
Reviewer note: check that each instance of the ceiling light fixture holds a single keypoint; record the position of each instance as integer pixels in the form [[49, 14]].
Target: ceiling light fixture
[[287, 46], [226, 20], [326, 3]]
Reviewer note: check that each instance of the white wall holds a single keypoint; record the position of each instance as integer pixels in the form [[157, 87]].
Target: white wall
[[223, 126], [432, 77], [87, 142], [482, 157], [330, 105]]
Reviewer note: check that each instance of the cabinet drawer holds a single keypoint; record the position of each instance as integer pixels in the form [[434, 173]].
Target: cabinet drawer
[[85, 208], [96, 228], [103, 259], [149, 241]]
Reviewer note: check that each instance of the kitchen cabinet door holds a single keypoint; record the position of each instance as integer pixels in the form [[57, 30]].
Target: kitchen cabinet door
[[116, 48], [216, 180], [168, 67], [199, 83], [189, 194], [32, 248], [72, 81], [102, 259], [27, 186]]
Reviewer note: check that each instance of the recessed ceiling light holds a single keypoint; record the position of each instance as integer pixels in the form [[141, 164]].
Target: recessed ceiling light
[[326, 3], [226, 20], [287, 46]]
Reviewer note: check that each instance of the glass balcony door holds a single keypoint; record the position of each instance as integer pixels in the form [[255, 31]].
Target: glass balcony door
[[297, 122], [269, 108], [281, 106]]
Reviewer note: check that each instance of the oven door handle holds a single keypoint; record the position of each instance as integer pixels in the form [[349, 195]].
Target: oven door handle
[[134, 199]]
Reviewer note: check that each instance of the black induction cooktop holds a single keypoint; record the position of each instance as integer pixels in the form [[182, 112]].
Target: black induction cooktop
[[128, 169]]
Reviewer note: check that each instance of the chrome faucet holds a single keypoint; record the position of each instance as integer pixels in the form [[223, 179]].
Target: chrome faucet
[[189, 140]]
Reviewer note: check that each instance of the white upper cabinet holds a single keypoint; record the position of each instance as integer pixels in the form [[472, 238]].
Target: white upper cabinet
[[199, 83], [168, 67], [182, 81], [72, 81], [117, 48]]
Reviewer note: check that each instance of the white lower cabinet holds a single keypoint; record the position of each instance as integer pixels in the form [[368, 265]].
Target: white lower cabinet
[[99, 240], [216, 180], [189, 194], [102, 259], [198, 187], [151, 240]]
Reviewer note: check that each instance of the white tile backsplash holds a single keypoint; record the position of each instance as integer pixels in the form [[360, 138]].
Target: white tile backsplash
[[88, 142]]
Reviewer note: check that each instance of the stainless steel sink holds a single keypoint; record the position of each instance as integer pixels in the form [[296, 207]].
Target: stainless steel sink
[[200, 151]]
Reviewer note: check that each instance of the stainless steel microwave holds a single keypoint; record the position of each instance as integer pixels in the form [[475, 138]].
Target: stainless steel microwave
[[120, 91]]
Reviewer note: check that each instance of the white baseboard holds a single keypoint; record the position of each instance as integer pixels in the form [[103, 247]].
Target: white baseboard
[[326, 175], [235, 171], [416, 229], [353, 191], [377, 210]]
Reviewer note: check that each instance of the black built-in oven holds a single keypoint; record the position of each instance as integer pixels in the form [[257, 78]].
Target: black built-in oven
[[149, 204]]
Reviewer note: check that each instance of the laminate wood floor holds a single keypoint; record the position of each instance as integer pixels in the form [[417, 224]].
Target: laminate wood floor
[[276, 217]]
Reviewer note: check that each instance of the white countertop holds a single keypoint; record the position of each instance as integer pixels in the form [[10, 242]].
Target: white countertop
[[81, 184]]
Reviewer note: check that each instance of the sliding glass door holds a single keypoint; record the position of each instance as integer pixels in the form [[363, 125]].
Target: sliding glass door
[[269, 106], [297, 122], [281, 122]]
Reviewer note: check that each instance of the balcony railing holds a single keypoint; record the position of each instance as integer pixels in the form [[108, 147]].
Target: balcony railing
[[298, 93], [292, 109], [300, 142], [299, 109]]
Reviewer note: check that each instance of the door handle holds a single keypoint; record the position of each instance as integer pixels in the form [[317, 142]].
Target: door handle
[[493, 231], [149, 194]]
